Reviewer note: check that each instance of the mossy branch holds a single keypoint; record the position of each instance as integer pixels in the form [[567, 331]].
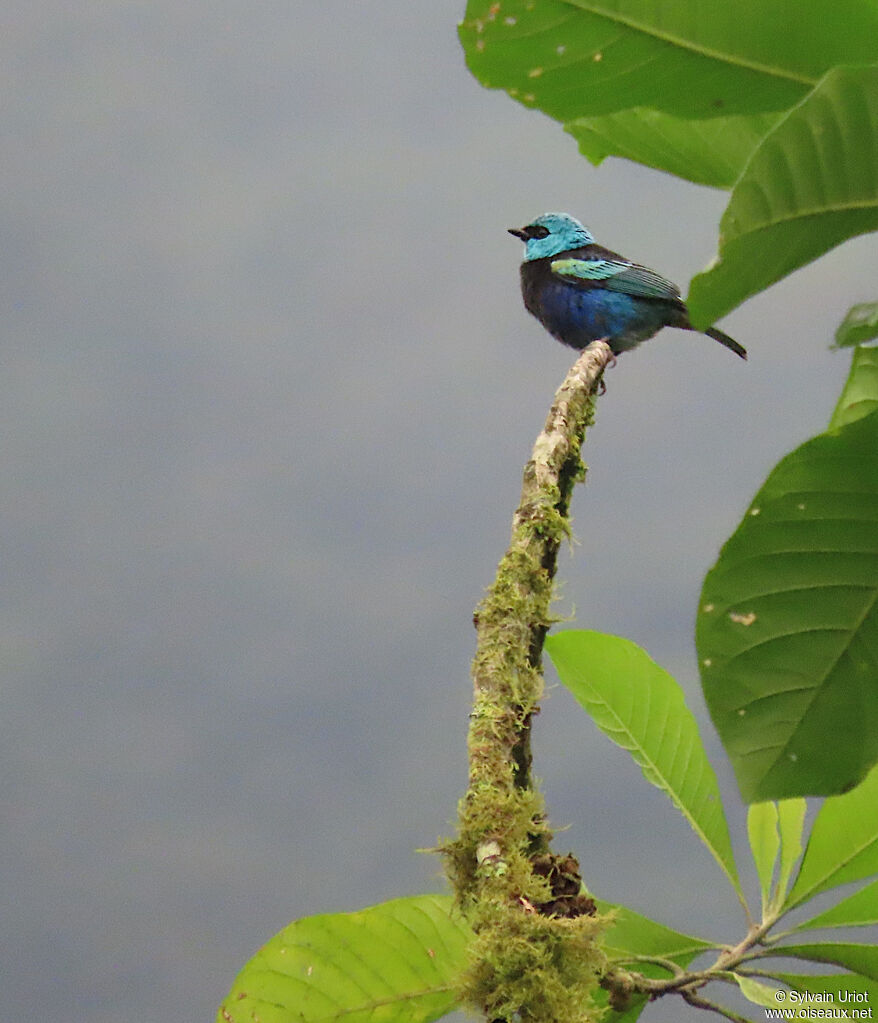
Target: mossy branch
[[534, 954]]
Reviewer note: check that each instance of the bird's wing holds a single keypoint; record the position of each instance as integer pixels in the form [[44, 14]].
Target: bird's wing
[[616, 275]]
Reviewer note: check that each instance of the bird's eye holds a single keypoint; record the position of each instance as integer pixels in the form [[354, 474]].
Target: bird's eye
[[538, 231]]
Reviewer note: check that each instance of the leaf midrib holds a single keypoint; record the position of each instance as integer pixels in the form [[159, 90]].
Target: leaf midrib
[[817, 689], [869, 204], [648, 763], [688, 44]]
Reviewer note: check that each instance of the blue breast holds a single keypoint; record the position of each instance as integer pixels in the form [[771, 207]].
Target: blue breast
[[579, 316]]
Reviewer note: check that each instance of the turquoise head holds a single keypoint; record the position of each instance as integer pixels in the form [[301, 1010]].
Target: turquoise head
[[551, 234]]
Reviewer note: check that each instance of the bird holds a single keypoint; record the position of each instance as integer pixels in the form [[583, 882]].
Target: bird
[[581, 292]]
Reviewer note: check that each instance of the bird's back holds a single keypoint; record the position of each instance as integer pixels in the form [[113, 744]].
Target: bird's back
[[581, 311]]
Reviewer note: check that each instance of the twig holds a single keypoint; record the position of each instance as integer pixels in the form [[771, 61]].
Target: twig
[[688, 983]]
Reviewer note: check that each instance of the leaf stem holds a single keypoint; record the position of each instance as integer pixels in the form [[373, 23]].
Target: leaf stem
[[688, 983]]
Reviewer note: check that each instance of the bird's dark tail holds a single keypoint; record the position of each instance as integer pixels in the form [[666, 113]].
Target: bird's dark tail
[[729, 342]]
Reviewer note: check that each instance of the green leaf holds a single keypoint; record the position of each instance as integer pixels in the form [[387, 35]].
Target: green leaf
[[630, 934], [791, 820], [787, 630], [629, 938], [759, 994], [848, 990], [859, 396], [857, 910], [861, 959], [765, 843], [641, 708], [709, 152], [811, 184], [394, 962], [843, 846], [860, 324], [582, 58]]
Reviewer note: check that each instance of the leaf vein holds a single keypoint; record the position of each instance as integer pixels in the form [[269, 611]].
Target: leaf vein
[[686, 44]]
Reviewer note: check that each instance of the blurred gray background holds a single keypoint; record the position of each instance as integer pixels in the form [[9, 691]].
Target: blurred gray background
[[267, 391]]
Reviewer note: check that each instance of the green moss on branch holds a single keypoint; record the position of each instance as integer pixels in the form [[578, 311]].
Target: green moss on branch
[[534, 956]]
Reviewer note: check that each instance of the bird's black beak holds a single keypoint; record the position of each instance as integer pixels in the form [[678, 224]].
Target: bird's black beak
[[519, 232]]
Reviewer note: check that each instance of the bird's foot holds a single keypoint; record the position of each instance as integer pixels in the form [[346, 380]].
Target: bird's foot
[[609, 365]]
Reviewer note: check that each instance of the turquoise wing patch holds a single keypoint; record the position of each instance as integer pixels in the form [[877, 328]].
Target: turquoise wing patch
[[588, 269], [616, 275]]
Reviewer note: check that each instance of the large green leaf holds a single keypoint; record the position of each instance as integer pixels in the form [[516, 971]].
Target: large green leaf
[[579, 58], [811, 184], [629, 76], [843, 845], [710, 151], [787, 630], [393, 962], [642, 709]]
